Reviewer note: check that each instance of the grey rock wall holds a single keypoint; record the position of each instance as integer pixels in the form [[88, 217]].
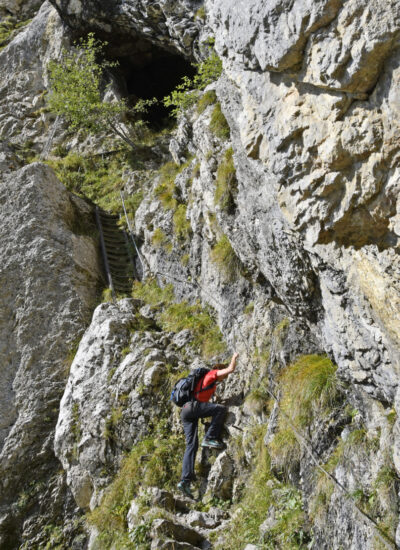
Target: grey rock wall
[[171, 25], [25, 125], [324, 158], [50, 278], [19, 8]]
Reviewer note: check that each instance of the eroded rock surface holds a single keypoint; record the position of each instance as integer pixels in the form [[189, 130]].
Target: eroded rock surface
[[49, 278], [25, 124], [172, 25], [322, 163]]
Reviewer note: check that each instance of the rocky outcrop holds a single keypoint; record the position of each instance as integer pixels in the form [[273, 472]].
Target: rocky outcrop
[[25, 123], [115, 393], [18, 8], [171, 25], [50, 278]]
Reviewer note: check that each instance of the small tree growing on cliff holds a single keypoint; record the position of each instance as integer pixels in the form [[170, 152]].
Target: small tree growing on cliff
[[76, 81]]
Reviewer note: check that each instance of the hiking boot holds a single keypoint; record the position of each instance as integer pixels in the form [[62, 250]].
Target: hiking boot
[[184, 488], [212, 443]]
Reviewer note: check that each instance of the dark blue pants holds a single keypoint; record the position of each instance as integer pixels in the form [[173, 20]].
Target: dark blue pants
[[191, 412]]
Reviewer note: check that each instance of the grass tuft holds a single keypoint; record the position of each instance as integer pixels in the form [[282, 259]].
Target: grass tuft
[[178, 316], [224, 257], [160, 240], [310, 390], [165, 189], [151, 293], [208, 98], [182, 226], [226, 183], [310, 385], [218, 124]]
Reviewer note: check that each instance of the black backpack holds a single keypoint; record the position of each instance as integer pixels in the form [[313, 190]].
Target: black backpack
[[184, 389]]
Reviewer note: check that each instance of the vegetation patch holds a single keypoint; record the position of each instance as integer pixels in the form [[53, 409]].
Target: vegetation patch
[[310, 390], [182, 228], [206, 334], [77, 79], [266, 496], [200, 13], [159, 238], [9, 28], [112, 422], [186, 94], [151, 293], [224, 257], [218, 124], [185, 260], [165, 189], [98, 178], [178, 316], [226, 183], [151, 463], [208, 98]]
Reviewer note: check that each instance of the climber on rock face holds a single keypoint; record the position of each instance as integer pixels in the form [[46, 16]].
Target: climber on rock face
[[200, 407]]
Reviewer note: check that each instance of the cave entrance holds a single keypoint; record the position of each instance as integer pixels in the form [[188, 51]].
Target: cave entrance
[[153, 73]]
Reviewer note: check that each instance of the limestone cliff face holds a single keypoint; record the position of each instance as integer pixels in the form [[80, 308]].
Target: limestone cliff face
[[50, 277], [309, 221], [315, 113]]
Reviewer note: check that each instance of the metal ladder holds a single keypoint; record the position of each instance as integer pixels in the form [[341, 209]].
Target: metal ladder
[[118, 259]]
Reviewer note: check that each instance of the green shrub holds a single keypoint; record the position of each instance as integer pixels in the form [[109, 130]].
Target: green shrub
[[76, 81], [218, 124], [208, 98], [226, 183], [187, 92], [182, 226], [223, 255]]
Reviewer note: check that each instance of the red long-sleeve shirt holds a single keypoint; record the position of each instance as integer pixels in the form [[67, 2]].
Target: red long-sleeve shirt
[[208, 379]]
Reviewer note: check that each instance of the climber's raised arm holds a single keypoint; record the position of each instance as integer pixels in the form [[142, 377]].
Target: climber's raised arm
[[223, 373]]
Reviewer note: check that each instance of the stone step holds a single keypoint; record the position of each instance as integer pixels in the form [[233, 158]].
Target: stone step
[[170, 544], [162, 528]]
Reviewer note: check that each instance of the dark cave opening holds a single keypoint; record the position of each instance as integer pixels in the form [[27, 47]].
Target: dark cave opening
[[153, 73]]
